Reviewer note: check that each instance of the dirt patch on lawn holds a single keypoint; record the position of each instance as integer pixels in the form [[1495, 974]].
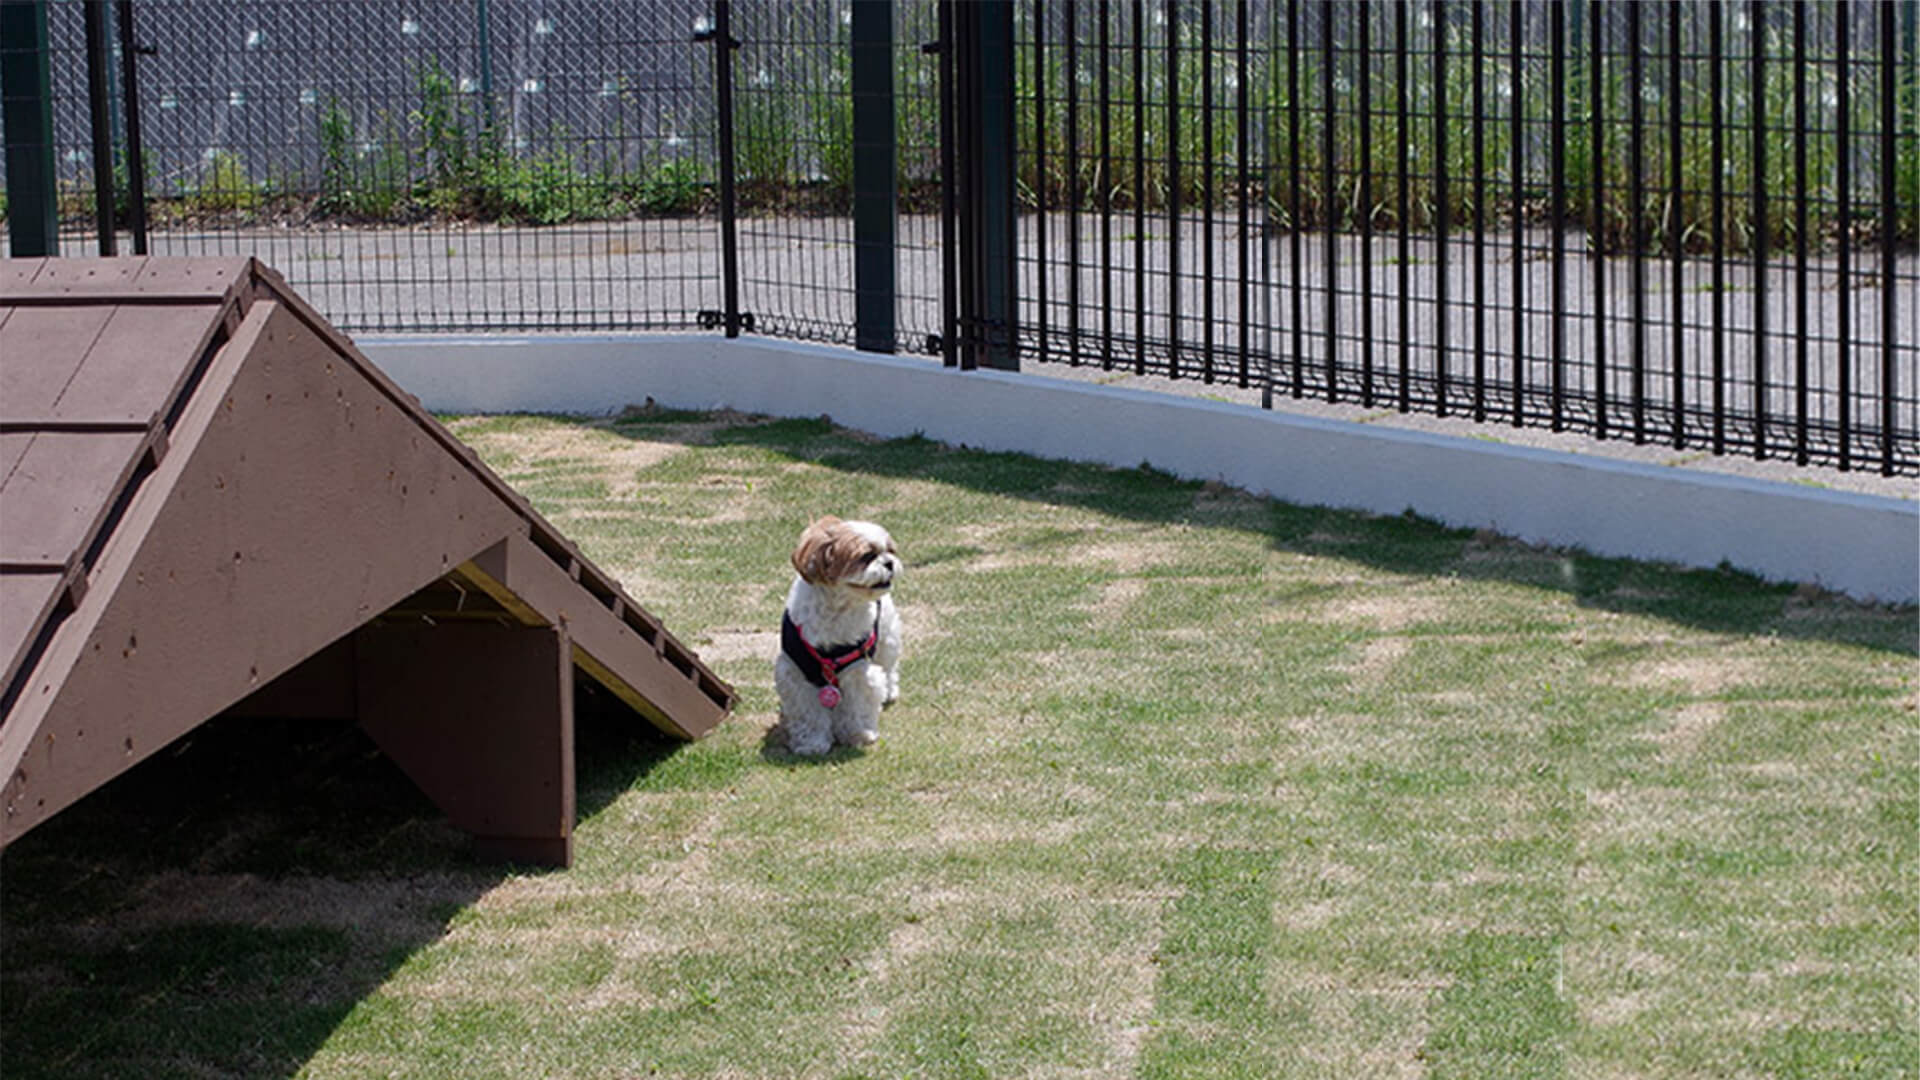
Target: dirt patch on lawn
[[1708, 675], [1390, 612]]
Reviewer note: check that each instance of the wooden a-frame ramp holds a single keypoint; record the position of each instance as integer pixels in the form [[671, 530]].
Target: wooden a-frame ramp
[[212, 503]]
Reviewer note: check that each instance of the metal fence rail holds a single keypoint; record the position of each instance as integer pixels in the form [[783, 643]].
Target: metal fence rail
[[1689, 223]]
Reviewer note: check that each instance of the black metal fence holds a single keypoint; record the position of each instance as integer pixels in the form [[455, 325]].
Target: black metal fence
[[1690, 223]]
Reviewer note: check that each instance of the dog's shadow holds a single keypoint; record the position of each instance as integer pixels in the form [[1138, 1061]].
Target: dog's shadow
[[773, 751]]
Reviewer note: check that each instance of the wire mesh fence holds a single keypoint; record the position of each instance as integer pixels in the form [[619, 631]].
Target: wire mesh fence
[[1690, 223], [508, 164]]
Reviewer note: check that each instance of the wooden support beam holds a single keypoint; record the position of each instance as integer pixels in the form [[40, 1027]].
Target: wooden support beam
[[481, 718]]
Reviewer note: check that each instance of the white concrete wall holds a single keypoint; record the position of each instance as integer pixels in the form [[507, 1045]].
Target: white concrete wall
[[1867, 546]]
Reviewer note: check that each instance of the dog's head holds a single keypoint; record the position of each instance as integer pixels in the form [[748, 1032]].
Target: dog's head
[[854, 554]]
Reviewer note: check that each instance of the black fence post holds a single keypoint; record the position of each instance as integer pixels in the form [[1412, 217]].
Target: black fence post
[[1889, 228], [875, 198], [982, 44], [997, 207], [99, 116], [130, 53], [948, 48], [26, 89], [1762, 237], [483, 31], [721, 35]]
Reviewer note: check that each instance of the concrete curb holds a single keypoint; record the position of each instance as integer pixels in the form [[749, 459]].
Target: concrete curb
[[1867, 546]]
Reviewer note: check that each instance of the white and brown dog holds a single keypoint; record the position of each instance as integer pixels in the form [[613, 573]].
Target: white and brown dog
[[839, 659]]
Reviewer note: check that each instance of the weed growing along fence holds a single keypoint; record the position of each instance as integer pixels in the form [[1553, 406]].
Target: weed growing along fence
[[1690, 223]]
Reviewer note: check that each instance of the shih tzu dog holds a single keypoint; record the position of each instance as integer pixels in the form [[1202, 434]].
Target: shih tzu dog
[[839, 659]]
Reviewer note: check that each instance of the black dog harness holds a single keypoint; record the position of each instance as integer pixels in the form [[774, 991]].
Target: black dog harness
[[822, 666]]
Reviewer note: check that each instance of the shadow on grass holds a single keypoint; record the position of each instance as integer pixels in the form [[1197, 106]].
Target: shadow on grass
[[223, 907], [1721, 600]]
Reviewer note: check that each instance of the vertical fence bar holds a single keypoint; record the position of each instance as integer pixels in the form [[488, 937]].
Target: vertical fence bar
[[1636, 209], [1477, 66], [1557, 213], [1443, 210], [1403, 131], [1596, 211], [1269, 307], [875, 185], [99, 120], [729, 240], [1803, 312], [1762, 236], [1843, 190], [1041, 268], [483, 32], [1139, 188], [1515, 103], [1329, 201], [1717, 154], [1242, 125], [997, 204], [950, 355], [1293, 197], [1106, 187], [1072, 31], [1676, 215], [136, 161], [1206, 183], [1174, 205], [1889, 206], [1363, 56], [966, 131]]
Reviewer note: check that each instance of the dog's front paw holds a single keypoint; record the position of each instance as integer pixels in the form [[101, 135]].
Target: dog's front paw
[[809, 746], [863, 738]]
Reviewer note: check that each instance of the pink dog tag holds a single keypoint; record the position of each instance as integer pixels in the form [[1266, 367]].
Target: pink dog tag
[[829, 697]]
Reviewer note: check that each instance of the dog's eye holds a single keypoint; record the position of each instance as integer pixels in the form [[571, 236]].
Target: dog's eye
[[867, 559]]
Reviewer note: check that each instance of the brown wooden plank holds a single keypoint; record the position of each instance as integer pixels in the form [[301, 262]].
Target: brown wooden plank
[[60, 492], [45, 276], [17, 275], [26, 600], [13, 447], [139, 363], [213, 275], [481, 717], [663, 680], [40, 349], [93, 279]]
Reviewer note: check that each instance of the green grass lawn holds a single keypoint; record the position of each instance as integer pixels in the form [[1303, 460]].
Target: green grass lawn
[[1183, 782]]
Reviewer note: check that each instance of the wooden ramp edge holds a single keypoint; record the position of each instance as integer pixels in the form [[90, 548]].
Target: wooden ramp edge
[[212, 503]]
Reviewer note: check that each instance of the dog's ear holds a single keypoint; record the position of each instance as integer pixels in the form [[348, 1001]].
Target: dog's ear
[[810, 555]]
